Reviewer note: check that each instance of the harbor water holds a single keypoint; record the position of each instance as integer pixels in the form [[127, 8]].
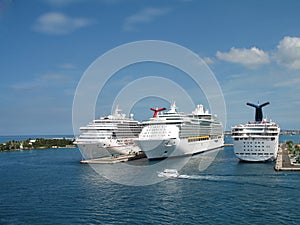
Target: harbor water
[[51, 187]]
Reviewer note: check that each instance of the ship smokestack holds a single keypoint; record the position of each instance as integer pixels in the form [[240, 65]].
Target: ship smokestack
[[258, 110], [156, 111]]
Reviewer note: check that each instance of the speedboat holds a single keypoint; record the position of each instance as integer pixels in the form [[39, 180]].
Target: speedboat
[[169, 173]]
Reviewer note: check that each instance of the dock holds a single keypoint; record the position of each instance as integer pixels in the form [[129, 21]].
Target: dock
[[228, 144], [114, 159], [283, 162]]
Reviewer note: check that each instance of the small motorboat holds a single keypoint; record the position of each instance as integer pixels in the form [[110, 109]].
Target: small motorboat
[[169, 173]]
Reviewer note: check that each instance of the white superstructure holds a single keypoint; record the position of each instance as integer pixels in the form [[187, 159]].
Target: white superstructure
[[177, 134], [256, 141], [108, 135]]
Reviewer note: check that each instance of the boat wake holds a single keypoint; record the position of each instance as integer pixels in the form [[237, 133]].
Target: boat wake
[[203, 177], [245, 180]]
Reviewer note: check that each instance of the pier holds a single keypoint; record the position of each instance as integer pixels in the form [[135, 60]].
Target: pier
[[228, 144], [283, 162]]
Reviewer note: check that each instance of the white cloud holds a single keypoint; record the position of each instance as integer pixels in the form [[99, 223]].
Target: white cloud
[[208, 60], [288, 52], [59, 24], [247, 57], [146, 15]]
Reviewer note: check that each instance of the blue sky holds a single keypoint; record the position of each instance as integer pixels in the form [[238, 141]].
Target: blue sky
[[252, 47]]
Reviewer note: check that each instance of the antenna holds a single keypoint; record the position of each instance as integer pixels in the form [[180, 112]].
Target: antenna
[[258, 110]]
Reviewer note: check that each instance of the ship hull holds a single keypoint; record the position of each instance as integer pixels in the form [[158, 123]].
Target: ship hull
[[107, 148], [93, 150], [256, 149], [159, 149], [124, 150]]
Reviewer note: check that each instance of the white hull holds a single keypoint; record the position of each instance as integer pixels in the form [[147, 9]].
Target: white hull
[[169, 173], [109, 135], [93, 150], [107, 148], [157, 149], [256, 141], [124, 150], [256, 149], [173, 134]]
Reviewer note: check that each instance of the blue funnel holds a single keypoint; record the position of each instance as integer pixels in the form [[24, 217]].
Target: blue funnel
[[258, 111]]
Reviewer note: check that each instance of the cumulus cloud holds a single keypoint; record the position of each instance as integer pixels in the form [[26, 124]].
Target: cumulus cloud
[[288, 52], [208, 60], [146, 15], [252, 57], [59, 24]]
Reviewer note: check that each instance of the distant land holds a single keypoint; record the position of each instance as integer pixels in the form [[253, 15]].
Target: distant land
[[39, 143], [43, 143]]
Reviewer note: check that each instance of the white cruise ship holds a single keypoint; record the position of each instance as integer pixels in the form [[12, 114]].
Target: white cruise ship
[[177, 134], [256, 141], [109, 135]]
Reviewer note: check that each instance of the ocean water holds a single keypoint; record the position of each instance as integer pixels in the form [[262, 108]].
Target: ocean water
[[52, 187]]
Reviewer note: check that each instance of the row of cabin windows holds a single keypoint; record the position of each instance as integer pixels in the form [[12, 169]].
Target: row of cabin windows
[[249, 149], [198, 139], [253, 153], [156, 132], [251, 142], [237, 139]]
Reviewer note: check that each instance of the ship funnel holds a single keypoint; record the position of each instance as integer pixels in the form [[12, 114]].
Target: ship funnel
[[156, 111], [258, 110]]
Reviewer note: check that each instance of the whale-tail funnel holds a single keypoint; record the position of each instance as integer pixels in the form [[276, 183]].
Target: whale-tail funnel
[[156, 111], [258, 110]]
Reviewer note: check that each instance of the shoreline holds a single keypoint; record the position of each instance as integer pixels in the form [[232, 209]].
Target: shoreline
[[283, 161], [30, 149], [38, 144]]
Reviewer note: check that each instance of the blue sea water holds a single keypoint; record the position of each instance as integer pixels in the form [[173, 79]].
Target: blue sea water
[[51, 187]]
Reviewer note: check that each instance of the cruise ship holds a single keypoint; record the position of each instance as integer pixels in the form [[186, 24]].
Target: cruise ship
[[171, 133], [109, 135], [256, 141]]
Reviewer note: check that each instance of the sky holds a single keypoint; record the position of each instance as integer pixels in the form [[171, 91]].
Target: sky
[[252, 47]]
